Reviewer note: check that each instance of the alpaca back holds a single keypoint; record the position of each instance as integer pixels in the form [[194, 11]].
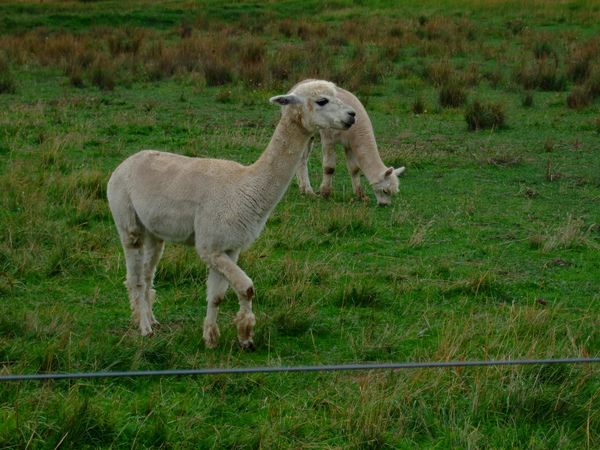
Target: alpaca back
[[175, 197]]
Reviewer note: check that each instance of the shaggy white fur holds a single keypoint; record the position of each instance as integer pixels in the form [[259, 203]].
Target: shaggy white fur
[[218, 206], [361, 154]]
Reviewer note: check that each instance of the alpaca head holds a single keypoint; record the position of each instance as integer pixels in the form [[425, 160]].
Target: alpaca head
[[316, 106], [387, 186]]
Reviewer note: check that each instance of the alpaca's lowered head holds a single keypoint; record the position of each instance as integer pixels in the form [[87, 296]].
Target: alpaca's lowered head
[[316, 106], [387, 186]]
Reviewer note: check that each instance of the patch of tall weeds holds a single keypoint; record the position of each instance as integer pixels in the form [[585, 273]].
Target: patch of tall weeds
[[103, 73], [8, 84], [452, 94], [543, 74], [571, 234], [482, 115]]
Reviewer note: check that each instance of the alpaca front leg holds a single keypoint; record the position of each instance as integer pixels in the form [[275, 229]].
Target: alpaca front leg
[[354, 171], [328, 167], [302, 171], [245, 318], [245, 321], [243, 287], [216, 286], [225, 264]]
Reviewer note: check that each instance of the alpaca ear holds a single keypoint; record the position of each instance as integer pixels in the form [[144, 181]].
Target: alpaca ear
[[391, 170], [284, 100]]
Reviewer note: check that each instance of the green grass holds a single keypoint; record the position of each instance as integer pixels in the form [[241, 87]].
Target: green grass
[[489, 251]]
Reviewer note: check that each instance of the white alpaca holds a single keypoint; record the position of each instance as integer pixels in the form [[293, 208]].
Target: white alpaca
[[361, 154], [218, 206]]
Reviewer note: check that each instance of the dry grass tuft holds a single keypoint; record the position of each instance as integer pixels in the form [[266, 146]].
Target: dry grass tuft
[[452, 94], [417, 239], [579, 98], [485, 115], [572, 234], [8, 84]]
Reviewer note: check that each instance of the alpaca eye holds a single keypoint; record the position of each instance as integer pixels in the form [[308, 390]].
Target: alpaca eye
[[386, 192], [322, 102]]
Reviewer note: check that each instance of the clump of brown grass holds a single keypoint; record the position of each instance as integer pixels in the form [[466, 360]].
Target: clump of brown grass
[[218, 71], [543, 74], [581, 58], [494, 77], [452, 94], [592, 82], [438, 71], [161, 61], [485, 115], [527, 99], [516, 26], [418, 104], [8, 84], [417, 239], [103, 73], [579, 98], [287, 60], [470, 77], [572, 234], [127, 40], [500, 157]]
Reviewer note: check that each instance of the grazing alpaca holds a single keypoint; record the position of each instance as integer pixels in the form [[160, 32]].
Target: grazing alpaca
[[218, 206], [361, 154]]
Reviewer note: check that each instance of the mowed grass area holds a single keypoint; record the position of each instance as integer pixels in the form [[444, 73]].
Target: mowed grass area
[[489, 251]]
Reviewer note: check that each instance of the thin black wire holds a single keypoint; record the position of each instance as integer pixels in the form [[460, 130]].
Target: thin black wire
[[279, 369]]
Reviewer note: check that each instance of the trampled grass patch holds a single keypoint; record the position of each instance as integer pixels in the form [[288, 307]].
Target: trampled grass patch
[[489, 251]]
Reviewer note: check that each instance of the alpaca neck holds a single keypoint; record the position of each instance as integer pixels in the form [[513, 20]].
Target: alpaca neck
[[272, 173], [368, 158]]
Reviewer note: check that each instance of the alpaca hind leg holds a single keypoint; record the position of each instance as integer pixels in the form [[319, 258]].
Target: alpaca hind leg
[[245, 320], [302, 171], [136, 285], [153, 249], [216, 286], [328, 148], [354, 170]]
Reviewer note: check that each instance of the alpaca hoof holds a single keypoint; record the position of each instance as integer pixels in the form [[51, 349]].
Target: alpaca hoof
[[211, 335], [248, 346], [145, 327]]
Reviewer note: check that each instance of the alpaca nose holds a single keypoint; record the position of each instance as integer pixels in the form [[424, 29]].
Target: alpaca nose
[[352, 117]]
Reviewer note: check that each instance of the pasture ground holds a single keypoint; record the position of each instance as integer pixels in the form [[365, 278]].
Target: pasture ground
[[489, 251]]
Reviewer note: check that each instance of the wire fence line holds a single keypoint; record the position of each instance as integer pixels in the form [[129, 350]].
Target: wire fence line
[[290, 369]]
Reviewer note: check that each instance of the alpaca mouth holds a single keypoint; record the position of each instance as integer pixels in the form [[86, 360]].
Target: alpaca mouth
[[349, 123]]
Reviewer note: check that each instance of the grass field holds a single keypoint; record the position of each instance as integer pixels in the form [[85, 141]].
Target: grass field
[[489, 251]]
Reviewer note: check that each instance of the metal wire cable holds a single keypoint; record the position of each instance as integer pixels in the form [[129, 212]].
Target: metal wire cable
[[280, 369]]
